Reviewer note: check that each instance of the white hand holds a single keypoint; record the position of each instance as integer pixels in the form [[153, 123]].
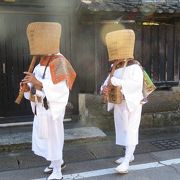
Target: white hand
[[115, 81]]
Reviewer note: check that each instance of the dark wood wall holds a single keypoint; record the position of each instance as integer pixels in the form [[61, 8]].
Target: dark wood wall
[[156, 47], [83, 53], [14, 50]]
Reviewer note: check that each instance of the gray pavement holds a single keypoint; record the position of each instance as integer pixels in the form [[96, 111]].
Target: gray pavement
[[93, 154], [95, 169]]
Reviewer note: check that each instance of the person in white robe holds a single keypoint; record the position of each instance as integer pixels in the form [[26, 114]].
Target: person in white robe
[[48, 129], [127, 114], [48, 91]]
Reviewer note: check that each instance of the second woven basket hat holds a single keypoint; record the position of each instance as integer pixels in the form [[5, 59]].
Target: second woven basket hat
[[120, 44], [44, 38]]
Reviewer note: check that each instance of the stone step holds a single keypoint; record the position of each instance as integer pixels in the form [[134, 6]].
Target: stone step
[[24, 138]]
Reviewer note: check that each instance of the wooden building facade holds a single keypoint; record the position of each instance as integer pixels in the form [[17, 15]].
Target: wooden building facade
[[14, 50], [84, 24]]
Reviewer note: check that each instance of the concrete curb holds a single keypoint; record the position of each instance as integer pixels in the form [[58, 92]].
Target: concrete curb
[[22, 140]]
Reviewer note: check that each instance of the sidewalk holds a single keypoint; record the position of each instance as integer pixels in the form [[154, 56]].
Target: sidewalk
[[20, 137]]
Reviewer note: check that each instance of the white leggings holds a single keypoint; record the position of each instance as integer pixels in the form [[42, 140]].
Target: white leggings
[[56, 165], [129, 153]]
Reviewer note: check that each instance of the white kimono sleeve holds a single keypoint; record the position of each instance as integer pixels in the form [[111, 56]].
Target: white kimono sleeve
[[132, 84], [27, 94], [57, 96]]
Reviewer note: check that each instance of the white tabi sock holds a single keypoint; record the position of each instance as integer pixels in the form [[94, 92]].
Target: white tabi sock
[[56, 174], [129, 153], [57, 165]]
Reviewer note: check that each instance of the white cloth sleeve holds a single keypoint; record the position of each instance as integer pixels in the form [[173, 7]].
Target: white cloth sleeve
[[27, 94], [132, 85], [56, 92], [57, 96], [110, 106], [40, 93], [116, 82]]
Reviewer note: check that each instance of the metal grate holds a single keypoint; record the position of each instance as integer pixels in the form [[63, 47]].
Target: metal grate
[[166, 144]]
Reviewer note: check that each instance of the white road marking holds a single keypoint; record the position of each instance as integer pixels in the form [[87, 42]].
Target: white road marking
[[109, 171]]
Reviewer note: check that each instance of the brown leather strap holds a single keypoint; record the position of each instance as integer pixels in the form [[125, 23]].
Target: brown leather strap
[[129, 63]]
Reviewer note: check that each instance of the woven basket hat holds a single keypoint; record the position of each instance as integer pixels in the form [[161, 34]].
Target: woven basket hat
[[44, 38], [120, 44]]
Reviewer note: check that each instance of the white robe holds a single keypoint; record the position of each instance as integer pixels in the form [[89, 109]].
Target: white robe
[[49, 147], [127, 115]]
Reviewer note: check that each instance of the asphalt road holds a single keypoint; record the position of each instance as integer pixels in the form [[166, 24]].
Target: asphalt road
[[147, 166], [157, 157]]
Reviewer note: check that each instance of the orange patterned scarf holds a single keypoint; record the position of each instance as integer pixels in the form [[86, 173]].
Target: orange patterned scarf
[[60, 69]]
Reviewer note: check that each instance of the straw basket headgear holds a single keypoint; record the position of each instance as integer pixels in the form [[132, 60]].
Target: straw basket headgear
[[120, 44], [44, 38]]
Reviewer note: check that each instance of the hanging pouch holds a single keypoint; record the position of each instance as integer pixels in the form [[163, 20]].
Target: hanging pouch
[[148, 86]]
